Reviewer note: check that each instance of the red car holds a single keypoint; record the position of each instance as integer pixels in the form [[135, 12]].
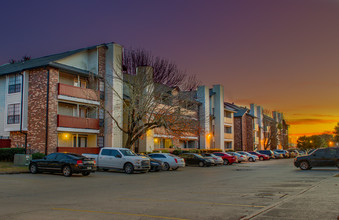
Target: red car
[[228, 159], [261, 156]]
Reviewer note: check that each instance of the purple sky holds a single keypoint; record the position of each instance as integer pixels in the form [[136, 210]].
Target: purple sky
[[282, 54]]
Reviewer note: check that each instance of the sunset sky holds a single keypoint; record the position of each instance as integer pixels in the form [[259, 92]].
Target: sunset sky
[[281, 54]]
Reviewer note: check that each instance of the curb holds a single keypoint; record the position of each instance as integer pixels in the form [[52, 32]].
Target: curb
[[17, 172]]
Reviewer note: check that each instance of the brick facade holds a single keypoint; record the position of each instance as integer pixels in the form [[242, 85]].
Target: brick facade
[[37, 99], [101, 74], [17, 139], [243, 133]]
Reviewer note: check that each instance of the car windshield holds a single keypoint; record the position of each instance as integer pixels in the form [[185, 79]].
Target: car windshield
[[127, 153], [198, 155]]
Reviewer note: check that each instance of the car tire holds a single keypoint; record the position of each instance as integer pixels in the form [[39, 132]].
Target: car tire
[[239, 161], [129, 168], [86, 173], [67, 171], [251, 159], [261, 158], [226, 162], [201, 164], [304, 165], [33, 168], [167, 167]]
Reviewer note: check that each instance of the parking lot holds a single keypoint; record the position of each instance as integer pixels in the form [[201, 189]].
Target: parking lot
[[223, 192]]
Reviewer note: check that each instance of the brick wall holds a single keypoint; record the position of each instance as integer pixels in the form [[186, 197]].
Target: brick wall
[[17, 139], [249, 133], [37, 91], [237, 133], [101, 73]]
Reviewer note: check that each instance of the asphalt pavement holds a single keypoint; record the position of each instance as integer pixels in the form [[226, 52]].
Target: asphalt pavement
[[272, 189]]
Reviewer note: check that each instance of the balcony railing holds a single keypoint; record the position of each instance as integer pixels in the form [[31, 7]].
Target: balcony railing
[[76, 122], [228, 136], [78, 92]]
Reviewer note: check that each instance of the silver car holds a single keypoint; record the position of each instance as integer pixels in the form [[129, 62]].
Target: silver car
[[217, 160], [240, 157], [250, 157], [170, 161]]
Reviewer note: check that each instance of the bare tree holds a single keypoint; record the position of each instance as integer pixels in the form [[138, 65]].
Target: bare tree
[[165, 72], [270, 133], [148, 105]]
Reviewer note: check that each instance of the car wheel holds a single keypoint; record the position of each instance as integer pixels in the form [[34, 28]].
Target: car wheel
[[67, 171], [201, 164], [239, 161], [226, 162], [304, 165], [166, 167], [261, 158], [86, 173], [33, 168], [251, 159], [128, 168]]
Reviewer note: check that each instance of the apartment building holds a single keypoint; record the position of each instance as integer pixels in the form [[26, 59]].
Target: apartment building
[[243, 128], [51, 104], [216, 119]]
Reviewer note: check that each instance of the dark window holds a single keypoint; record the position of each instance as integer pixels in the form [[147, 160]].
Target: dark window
[[51, 157], [320, 153], [218, 154], [106, 152], [13, 114], [331, 153], [82, 141], [154, 155], [115, 153], [227, 114], [61, 157], [101, 141], [14, 84], [228, 130]]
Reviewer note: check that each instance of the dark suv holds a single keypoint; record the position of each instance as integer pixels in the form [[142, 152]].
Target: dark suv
[[324, 157]]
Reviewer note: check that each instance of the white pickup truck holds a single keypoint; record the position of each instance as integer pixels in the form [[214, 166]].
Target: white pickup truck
[[121, 159]]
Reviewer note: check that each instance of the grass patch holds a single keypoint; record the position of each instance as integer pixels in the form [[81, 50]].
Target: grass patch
[[8, 167]]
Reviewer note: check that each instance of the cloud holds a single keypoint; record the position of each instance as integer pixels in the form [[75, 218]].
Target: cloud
[[309, 121]]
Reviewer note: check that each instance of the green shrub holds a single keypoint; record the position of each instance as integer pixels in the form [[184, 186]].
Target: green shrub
[[7, 154], [38, 156], [177, 152]]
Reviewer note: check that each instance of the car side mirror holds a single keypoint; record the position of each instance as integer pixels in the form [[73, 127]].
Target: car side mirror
[[118, 156]]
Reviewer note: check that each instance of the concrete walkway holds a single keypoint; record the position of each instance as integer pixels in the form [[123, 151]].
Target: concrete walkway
[[320, 201]]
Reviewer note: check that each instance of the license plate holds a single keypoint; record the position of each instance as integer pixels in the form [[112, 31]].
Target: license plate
[[89, 168]]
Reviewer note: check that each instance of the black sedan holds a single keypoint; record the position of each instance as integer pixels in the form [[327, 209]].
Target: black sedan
[[65, 163], [324, 157], [192, 159]]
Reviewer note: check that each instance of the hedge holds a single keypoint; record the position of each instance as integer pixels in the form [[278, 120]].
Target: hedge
[[38, 156], [7, 154]]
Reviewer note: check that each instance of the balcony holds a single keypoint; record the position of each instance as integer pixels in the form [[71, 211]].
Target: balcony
[[228, 136], [78, 92], [76, 122]]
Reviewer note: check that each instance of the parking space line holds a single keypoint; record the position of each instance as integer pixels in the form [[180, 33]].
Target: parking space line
[[118, 213], [194, 202]]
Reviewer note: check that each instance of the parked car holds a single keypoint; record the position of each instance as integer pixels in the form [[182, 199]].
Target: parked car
[[64, 163], [293, 153], [227, 158], [120, 159], [278, 155], [217, 160], [156, 165], [170, 161], [311, 151], [250, 157], [260, 156], [319, 158], [267, 152], [192, 159], [283, 152], [240, 157]]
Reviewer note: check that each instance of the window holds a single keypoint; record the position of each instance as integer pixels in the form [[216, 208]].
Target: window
[[106, 152], [228, 130], [227, 114], [101, 141], [115, 153], [228, 145], [51, 156], [14, 84], [13, 114], [82, 141]]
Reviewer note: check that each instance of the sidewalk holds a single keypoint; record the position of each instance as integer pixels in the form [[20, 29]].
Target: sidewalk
[[321, 201]]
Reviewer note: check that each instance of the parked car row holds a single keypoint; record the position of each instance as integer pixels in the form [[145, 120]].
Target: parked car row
[[129, 162]]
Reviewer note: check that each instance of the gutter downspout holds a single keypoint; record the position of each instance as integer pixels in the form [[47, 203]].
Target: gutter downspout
[[21, 110], [47, 99]]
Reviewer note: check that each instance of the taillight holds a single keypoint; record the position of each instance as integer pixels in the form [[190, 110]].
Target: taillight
[[94, 162], [79, 162], [176, 160]]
